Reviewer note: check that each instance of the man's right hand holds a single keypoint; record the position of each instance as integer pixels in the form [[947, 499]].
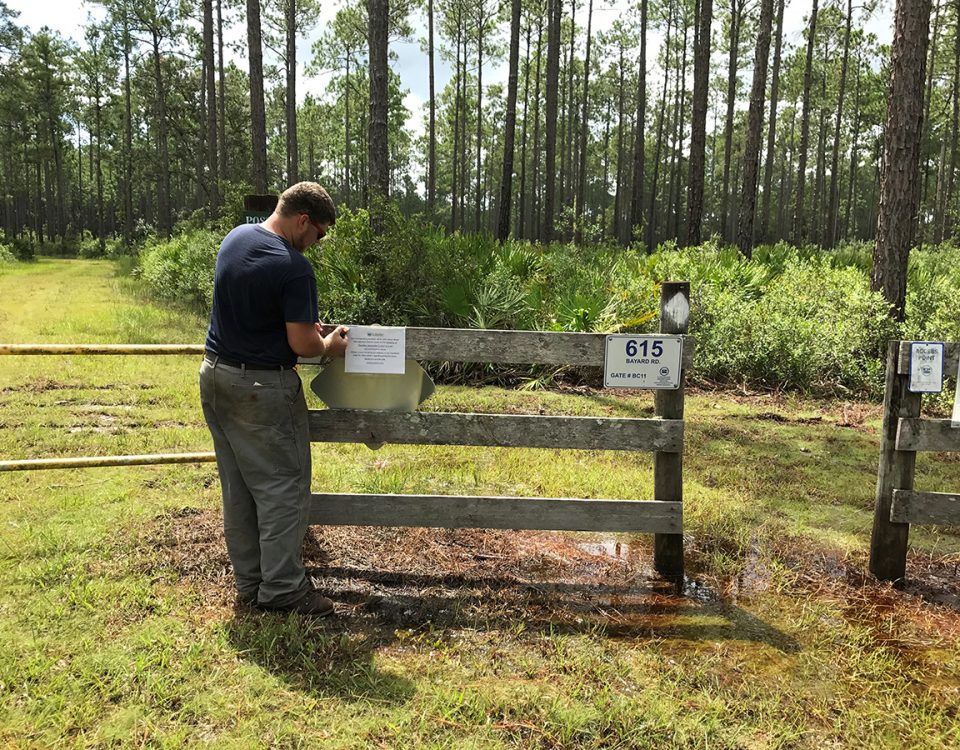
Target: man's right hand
[[336, 341]]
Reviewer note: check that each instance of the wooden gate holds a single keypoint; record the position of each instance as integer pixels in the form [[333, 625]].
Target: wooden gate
[[904, 433], [663, 436]]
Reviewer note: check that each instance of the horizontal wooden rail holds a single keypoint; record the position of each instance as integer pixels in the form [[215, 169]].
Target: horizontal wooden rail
[[88, 462], [511, 347], [426, 344], [501, 430], [927, 435], [468, 512], [951, 353], [939, 508]]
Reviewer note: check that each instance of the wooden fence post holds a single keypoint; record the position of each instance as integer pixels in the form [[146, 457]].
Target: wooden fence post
[[888, 543], [668, 467]]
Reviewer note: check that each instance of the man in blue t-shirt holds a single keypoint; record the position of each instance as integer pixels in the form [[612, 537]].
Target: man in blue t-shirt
[[264, 316]]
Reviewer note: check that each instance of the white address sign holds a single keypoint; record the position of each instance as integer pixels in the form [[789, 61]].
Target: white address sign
[[642, 361]]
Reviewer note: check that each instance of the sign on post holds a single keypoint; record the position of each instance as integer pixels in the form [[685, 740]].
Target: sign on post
[[257, 208], [926, 367], [642, 361]]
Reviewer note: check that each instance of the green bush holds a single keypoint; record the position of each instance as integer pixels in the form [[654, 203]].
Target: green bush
[[181, 269], [6, 254], [799, 318]]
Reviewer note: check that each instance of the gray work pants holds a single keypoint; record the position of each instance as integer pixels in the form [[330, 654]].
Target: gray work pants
[[258, 419]]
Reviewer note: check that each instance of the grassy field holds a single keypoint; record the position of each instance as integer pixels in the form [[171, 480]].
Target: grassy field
[[119, 628]]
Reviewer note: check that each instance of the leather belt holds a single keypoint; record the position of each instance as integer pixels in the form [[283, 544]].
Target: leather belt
[[215, 358]]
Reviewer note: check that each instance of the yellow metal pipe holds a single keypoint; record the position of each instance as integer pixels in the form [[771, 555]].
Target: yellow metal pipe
[[101, 348], [99, 461]]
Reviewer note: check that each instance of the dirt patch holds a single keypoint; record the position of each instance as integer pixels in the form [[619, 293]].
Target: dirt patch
[[456, 579], [40, 385], [389, 578], [922, 610], [781, 419]]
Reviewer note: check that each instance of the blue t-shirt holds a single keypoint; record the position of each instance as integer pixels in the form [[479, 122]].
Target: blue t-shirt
[[260, 284]]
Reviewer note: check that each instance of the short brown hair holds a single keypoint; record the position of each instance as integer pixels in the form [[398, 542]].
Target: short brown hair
[[310, 199]]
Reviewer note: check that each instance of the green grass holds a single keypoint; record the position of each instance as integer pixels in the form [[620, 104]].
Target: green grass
[[114, 591]]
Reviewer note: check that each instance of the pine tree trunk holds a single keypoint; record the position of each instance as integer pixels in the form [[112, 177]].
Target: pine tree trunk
[[293, 156], [698, 132], [636, 200], [818, 189], [786, 178], [534, 232], [925, 135], [506, 184], [166, 223], [127, 139], [258, 117], [522, 207], [854, 157], [464, 146], [651, 213], [346, 132], [680, 101], [553, 74], [222, 160], [832, 216], [605, 201], [736, 21], [432, 147], [947, 217], [618, 223], [584, 134], [772, 126], [478, 198], [378, 164], [455, 170], [99, 171], [799, 219], [751, 151], [899, 188], [210, 70], [566, 167]]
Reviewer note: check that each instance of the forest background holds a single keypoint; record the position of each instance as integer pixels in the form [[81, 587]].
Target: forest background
[[615, 141]]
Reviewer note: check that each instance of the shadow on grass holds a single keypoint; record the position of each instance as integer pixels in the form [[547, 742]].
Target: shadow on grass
[[388, 601], [317, 657]]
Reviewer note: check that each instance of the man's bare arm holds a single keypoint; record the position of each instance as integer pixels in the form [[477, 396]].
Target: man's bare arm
[[306, 341]]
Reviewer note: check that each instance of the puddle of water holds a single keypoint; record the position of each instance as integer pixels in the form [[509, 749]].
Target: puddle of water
[[607, 548]]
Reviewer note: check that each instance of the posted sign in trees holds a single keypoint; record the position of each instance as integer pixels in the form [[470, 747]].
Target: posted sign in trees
[[642, 361]]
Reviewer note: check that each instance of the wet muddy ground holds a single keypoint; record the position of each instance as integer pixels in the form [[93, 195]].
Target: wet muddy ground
[[393, 578]]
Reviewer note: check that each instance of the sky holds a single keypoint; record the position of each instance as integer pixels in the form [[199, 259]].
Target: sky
[[69, 17]]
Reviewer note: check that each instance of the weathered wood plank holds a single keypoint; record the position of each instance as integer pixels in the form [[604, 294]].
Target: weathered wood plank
[[888, 540], [460, 512], [951, 352], [668, 467], [510, 347], [927, 435], [940, 508], [502, 430]]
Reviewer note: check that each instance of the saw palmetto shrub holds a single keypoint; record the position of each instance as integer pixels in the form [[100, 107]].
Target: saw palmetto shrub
[[797, 318]]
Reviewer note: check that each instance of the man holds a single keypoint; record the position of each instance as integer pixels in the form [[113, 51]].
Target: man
[[264, 316]]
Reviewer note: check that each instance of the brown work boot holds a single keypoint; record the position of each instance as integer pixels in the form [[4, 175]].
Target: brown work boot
[[313, 604]]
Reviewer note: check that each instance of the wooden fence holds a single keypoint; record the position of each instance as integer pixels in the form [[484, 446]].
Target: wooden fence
[[905, 433], [663, 436]]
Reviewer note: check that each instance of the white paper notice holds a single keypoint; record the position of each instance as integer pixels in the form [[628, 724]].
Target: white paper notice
[[955, 421], [376, 349], [926, 367]]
